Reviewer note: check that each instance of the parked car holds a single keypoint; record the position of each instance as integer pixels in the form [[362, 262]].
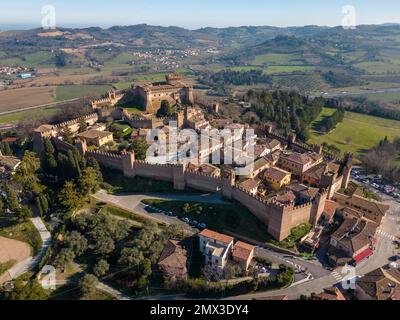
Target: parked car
[[202, 226]]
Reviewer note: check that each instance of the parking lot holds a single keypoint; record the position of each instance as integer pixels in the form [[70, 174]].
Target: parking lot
[[377, 183]]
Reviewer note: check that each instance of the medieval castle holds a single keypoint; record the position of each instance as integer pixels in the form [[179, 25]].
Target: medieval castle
[[304, 177]]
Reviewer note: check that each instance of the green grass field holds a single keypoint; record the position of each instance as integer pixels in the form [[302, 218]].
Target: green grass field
[[35, 60], [288, 69], [384, 97], [277, 59], [275, 69], [218, 217], [25, 232], [379, 67], [76, 91], [365, 132], [28, 115]]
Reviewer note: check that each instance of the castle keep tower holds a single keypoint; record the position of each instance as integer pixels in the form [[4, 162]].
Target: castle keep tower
[[228, 182], [346, 168]]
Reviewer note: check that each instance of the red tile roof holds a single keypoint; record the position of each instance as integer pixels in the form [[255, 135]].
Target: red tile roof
[[242, 250], [216, 236], [330, 208]]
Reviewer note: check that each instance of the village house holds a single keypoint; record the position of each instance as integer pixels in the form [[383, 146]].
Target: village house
[[353, 242], [173, 260], [216, 249], [314, 176], [8, 164], [379, 284], [330, 294], [277, 178], [251, 185], [299, 163], [356, 206], [243, 254], [96, 138]]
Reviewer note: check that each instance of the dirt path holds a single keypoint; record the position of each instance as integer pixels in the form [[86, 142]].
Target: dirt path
[[13, 250]]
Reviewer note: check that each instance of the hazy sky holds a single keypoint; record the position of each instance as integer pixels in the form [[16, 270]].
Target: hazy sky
[[194, 14]]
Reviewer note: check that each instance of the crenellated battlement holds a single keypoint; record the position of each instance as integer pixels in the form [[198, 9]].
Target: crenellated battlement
[[92, 116], [203, 174], [105, 154]]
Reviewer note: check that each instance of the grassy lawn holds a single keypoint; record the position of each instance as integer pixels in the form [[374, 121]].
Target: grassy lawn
[[26, 232], [29, 115], [6, 265], [365, 132], [77, 91], [134, 218], [134, 110], [218, 217], [121, 126], [296, 234]]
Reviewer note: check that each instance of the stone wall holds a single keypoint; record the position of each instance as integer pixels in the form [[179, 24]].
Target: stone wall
[[279, 219], [108, 160]]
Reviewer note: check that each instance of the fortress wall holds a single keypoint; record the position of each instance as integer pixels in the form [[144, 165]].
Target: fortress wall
[[280, 222], [255, 205], [73, 125], [62, 145], [202, 182], [301, 215], [109, 160], [154, 171]]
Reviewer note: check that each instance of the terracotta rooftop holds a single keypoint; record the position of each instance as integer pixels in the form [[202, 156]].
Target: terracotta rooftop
[[302, 158], [44, 128], [250, 184], [332, 294], [359, 201], [242, 250], [276, 173], [355, 234], [317, 171], [378, 285], [173, 259], [216, 236], [330, 208]]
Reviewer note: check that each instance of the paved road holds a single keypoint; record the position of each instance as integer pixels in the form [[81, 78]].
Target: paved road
[[389, 231], [308, 269], [133, 202]]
